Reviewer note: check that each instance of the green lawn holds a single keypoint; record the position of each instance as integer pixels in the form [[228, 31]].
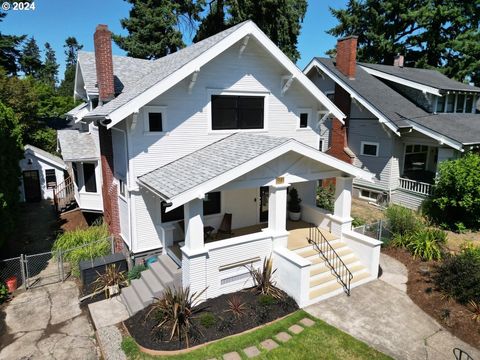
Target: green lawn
[[320, 341]]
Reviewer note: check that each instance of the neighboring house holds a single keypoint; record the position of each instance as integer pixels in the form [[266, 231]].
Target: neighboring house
[[211, 138], [41, 173], [401, 122]]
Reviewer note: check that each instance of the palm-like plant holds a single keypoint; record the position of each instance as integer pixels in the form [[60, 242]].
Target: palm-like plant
[[236, 306], [474, 307], [263, 279], [112, 277], [175, 311]]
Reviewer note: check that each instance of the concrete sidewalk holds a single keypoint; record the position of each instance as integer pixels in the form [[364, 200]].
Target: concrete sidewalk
[[381, 314]]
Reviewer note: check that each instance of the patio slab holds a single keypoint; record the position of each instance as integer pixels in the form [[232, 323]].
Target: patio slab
[[269, 344], [108, 312]]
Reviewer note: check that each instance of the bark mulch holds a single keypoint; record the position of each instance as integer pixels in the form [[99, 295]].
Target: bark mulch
[[222, 324], [455, 317]]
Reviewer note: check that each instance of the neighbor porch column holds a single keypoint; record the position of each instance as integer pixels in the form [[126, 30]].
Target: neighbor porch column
[[277, 214], [194, 254], [341, 219]]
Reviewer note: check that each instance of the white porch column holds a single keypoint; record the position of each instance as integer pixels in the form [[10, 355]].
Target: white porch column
[[341, 219], [277, 214], [193, 213]]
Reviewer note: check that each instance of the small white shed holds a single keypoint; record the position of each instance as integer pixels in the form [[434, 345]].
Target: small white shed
[[41, 172]]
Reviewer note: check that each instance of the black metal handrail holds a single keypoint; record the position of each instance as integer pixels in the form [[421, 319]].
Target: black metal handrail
[[333, 260]]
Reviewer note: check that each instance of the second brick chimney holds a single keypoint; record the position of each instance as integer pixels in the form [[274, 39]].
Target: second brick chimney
[[347, 56], [104, 63]]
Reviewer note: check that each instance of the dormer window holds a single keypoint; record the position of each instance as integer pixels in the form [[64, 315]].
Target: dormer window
[[456, 103]]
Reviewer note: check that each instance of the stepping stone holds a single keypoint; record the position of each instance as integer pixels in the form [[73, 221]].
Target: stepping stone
[[307, 322], [269, 344], [283, 336], [251, 351], [232, 356], [295, 329]]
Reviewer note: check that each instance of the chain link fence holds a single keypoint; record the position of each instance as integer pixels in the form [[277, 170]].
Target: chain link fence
[[378, 230], [49, 267]]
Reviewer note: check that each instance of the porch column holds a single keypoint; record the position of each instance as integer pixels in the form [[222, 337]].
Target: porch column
[[193, 213], [341, 219], [277, 214]]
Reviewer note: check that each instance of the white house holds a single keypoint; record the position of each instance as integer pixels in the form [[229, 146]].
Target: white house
[[211, 136], [41, 173]]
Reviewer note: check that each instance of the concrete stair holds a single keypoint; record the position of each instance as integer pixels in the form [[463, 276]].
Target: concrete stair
[[323, 283], [141, 292]]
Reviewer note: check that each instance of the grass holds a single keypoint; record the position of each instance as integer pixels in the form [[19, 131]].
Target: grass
[[319, 341]]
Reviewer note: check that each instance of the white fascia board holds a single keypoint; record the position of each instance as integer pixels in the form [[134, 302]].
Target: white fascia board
[[354, 94], [401, 81], [436, 136], [59, 164], [247, 29], [248, 166]]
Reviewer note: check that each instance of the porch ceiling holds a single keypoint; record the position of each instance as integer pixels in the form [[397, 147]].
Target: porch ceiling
[[219, 163]]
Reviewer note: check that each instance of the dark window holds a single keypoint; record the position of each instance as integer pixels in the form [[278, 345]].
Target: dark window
[[303, 120], [211, 205], [89, 177], [370, 149], [469, 104], [237, 112], [50, 178], [320, 145], [441, 104], [460, 103], [450, 103], [155, 122]]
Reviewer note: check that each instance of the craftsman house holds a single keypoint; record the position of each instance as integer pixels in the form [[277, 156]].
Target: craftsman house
[[400, 122], [193, 156]]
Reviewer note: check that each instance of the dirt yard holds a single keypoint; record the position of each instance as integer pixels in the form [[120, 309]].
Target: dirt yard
[[365, 211]]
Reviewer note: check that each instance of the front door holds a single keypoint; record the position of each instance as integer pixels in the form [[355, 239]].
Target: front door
[[31, 184], [264, 193]]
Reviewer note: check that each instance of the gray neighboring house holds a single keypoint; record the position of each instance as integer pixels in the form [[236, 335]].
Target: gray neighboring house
[[401, 122]]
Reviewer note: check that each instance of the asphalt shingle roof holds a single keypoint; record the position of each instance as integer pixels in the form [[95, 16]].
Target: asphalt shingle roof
[[462, 128], [209, 162], [158, 70], [427, 77], [51, 157], [76, 145]]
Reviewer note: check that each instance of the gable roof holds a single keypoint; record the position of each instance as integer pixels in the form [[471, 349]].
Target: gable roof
[[167, 71], [455, 130], [225, 160], [77, 146], [427, 77], [44, 155]]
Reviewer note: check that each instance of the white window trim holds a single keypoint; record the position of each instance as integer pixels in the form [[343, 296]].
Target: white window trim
[[369, 143], [208, 109], [120, 195], [146, 124], [309, 122], [366, 197]]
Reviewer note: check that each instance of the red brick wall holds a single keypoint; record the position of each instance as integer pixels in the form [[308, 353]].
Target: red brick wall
[[346, 60], [104, 63]]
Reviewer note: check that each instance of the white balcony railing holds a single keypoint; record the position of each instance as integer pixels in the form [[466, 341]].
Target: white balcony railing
[[415, 186]]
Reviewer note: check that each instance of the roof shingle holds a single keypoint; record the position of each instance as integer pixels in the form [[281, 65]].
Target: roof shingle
[[76, 145]]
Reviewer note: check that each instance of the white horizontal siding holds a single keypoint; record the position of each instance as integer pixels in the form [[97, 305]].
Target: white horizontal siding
[[124, 223], [147, 216], [407, 199], [41, 166]]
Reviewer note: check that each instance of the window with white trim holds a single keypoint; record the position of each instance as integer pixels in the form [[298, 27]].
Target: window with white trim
[[369, 195], [233, 112], [456, 103], [50, 178], [369, 148], [155, 119], [304, 116]]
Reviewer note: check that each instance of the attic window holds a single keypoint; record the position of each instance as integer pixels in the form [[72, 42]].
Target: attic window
[[369, 148], [303, 120], [155, 122], [155, 119], [231, 112]]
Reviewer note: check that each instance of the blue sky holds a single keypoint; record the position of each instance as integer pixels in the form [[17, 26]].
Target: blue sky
[[55, 20]]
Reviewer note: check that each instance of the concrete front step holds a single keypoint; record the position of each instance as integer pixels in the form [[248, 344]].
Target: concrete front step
[[327, 276], [331, 287], [321, 267], [310, 250]]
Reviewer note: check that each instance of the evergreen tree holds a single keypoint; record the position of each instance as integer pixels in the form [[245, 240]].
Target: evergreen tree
[[49, 70], [30, 62], [280, 20], [430, 33], [71, 51], [9, 53]]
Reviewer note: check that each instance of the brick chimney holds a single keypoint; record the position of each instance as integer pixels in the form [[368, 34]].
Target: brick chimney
[[398, 60], [346, 63], [347, 56], [104, 63]]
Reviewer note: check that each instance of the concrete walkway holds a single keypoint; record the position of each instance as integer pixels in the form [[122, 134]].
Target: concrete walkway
[[381, 314], [47, 323]]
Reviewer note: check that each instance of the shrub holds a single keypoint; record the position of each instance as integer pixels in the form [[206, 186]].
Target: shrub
[[266, 300], [3, 293], [474, 308], [456, 193], [460, 227], [402, 220], [427, 244], [174, 312], [400, 240], [263, 279], [236, 306], [136, 271], [111, 277], [207, 319], [459, 276], [326, 197], [86, 243], [357, 221], [294, 201]]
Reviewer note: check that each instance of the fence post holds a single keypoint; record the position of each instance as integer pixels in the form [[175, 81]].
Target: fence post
[[60, 261], [23, 264], [380, 228]]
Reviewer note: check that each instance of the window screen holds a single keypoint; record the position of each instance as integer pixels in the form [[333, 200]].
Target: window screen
[[50, 178], [237, 112]]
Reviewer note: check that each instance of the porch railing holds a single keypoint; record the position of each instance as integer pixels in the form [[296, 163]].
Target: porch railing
[[64, 194], [332, 259], [415, 186]]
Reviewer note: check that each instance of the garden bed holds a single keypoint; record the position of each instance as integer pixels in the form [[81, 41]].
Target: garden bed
[[421, 288], [213, 322]]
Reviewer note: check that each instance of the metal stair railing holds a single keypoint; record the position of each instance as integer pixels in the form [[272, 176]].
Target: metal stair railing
[[332, 259], [64, 194]]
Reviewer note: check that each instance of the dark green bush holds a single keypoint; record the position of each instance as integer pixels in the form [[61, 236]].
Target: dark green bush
[[136, 272], [402, 220], [266, 300], [427, 244], [459, 276], [357, 221], [207, 319], [326, 197], [3, 293]]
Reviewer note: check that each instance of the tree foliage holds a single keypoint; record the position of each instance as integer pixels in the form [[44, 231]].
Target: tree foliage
[[10, 155], [71, 47], [30, 62], [9, 52], [430, 33], [456, 193], [49, 70]]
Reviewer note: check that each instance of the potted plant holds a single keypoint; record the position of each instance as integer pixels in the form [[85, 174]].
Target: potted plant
[[294, 210]]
